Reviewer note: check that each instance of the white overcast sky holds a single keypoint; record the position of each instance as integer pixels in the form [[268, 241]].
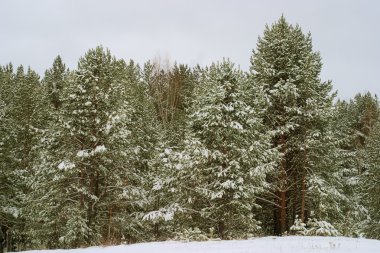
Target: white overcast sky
[[345, 32]]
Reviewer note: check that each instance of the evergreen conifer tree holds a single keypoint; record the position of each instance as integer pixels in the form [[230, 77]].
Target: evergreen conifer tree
[[370, 185], [23, 118], [89, 180], [287, 69], [55, 80], [223, 163]]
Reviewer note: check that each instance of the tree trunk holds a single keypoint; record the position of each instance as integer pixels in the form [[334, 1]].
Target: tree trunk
[[276, 215], [303, 195], [109, 224], [221, 229], [303, 189], [295, 197], [283, 212], [81, 181], [283, 179], [90, 201]]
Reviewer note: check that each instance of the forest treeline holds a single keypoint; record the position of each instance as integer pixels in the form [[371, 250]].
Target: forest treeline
[[114, 152]]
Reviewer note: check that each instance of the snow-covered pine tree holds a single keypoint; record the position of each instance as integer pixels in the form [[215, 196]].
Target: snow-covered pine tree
[[356, 120], [43, 207], [9, 208], [353, 123], [87, 187], [24, 117], [170, 90], [55, 80], [370, 184], [365, 115], [224, 160], [144, 135], [287, 69]]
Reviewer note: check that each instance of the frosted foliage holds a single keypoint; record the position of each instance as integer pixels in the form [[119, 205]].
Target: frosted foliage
[[65, 165], [165, 214], [320, 228], [313, 227], [191, 234], [219, 167], [87, 175], [298, 228], [12, 210], [2, 109]]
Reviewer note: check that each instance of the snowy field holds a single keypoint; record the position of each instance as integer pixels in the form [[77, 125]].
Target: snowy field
[[290, 244]]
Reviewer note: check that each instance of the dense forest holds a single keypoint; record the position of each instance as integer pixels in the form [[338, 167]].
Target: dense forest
[[115, 152]]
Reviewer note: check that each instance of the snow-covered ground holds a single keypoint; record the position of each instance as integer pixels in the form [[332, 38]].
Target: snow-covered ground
[[290, 244]]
